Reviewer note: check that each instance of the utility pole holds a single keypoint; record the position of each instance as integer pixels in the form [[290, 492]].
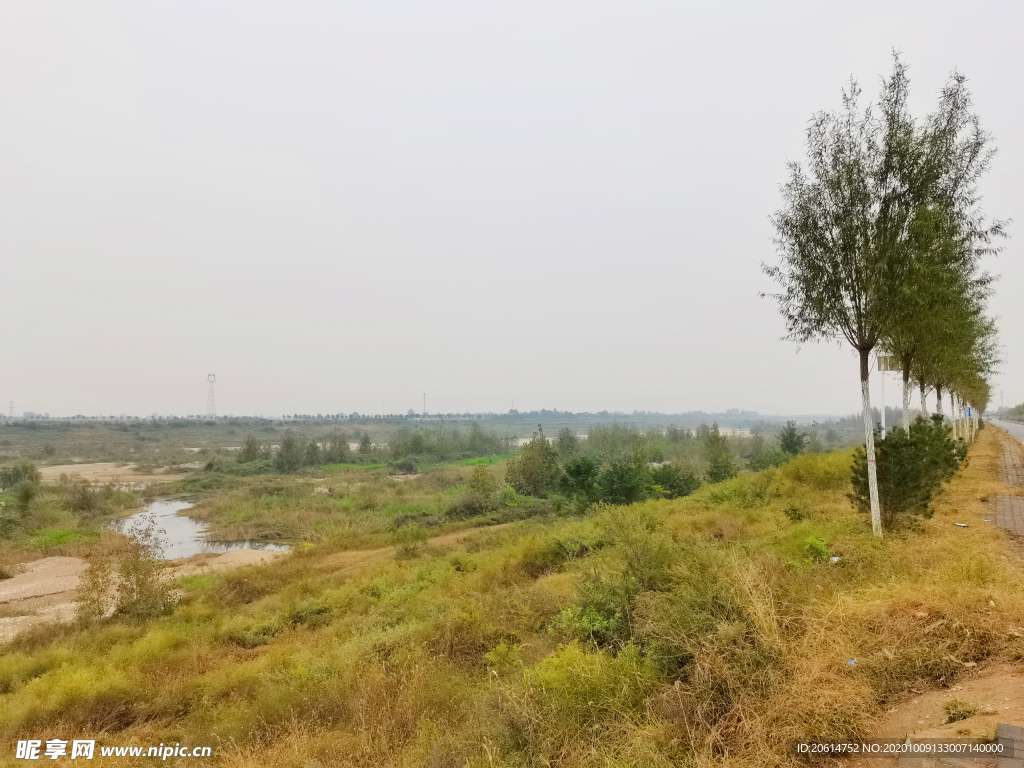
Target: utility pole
[[211, 403], [12, 409], [424, 403]]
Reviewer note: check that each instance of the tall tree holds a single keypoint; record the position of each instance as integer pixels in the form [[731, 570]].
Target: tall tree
[[843, 234], [950, 234]]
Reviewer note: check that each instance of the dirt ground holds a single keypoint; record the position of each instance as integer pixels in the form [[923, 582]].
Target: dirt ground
[[44, 591], [997, 689], [105, 473]]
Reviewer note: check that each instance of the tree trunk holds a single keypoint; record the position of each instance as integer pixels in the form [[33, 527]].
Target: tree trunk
[[938, 402], [952, 408], [869, 443], [906, 396], [924, 402]]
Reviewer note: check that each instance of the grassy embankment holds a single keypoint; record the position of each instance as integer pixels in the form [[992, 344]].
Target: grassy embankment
[[699, 631], [67, 518]]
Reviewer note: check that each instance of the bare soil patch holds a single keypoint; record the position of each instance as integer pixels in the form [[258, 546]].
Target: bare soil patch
[[107, 472], [997, 689], [45, 590]]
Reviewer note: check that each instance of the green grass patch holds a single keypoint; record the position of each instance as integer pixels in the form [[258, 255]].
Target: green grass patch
[[483, 460], [57, 537], [335, 467], [196, 583]]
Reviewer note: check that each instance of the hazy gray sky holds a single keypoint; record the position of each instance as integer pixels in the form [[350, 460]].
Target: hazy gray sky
[[339, 206]]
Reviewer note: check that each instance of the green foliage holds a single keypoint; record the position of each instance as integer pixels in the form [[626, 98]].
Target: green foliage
[[409, 539], [252, 450], [717, 455], [24, 492], [567, 444], [602, 617], [791, 440], [627, 482], [48, 538], [637, 538], [768, 458], [675, 481], [290, 455], [816, 550], [131, 583], [582, 688], [470, 505], [19, 472], [365, 444], [449, 444], [483, 482], [910, 466], [534, 472], [621, 482], [579, 477]]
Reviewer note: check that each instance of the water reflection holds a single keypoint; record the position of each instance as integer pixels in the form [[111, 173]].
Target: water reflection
[[182, 536]]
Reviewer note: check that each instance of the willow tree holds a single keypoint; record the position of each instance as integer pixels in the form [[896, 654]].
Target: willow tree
[[844, 230], [950, 234]]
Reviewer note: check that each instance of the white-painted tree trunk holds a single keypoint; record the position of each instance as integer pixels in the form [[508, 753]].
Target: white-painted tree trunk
[[906, 401], [956, 420], [869, 444], [924, 403]]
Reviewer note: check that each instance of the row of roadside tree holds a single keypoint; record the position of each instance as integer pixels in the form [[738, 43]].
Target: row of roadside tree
[[881, 239]]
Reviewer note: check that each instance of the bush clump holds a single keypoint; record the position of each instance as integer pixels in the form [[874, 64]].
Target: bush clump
[[12, 475], [534, 472], [911, 466]]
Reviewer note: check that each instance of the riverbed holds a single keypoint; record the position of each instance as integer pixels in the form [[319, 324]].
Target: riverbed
[[181, 536]]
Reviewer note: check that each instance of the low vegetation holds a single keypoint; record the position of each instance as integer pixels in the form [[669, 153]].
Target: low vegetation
[[705, 629]]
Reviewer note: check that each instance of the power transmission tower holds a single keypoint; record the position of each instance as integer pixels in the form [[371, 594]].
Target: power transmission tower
[[211, 403]]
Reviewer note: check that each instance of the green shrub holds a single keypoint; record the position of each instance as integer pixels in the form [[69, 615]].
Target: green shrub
[[579, 477], [675, 481], [816, 550], [470, 505], [768, 458], [12, 475], [581, 688], [791, 440], [534, 472], [482, 482], [409, 539], [622, 482], [603, 616], [132, 583], [646, 550], [717, 454], [911, 467]]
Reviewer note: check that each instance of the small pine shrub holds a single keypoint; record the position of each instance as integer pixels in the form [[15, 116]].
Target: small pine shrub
[[911, 467]]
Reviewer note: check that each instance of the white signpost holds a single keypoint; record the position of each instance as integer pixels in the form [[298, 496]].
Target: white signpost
[[885, 363]]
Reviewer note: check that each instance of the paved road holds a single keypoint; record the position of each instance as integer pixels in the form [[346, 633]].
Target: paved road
[[1009, 510], [1012, 427]]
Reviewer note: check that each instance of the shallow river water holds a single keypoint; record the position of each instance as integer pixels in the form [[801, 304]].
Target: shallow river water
[[182, 536]]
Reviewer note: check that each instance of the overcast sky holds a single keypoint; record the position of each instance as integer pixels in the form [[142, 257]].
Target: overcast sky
[[339, 206]]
